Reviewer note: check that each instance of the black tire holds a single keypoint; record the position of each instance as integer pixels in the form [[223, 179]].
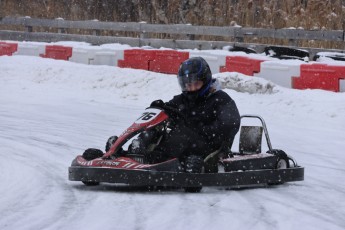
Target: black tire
[[282, 158], [282, 162], [90, 154], [111, 140]]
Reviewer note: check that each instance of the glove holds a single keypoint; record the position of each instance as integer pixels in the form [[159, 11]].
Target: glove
[[158, 104], [173, 113]]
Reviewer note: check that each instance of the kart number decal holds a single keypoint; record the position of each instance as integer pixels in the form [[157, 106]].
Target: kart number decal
[[147, 116]]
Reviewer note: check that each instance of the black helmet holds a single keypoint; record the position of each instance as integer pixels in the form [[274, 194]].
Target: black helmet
[[194, 72]]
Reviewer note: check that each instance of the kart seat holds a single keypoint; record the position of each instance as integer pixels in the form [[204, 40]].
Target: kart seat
[[250, 139]]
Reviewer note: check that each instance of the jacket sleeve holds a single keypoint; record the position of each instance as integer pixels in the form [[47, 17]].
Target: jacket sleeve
[[226, 125], [175, 101]]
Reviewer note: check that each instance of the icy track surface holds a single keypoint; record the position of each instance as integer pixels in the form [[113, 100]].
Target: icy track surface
[[50, 111]]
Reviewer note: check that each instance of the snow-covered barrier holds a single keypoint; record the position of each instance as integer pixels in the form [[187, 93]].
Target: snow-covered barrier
[[242, 64], [161, 61], [82, 55], [8, 48], [280, 72], [57, 52], [215, 61], [30, 49], [298, 74], [320, 76], [92, 56], [288, 73]]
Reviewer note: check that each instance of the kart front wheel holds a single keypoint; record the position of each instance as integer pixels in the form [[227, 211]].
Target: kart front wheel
[[90, 154]]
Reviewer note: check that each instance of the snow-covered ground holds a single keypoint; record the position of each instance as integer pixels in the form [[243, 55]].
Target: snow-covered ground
[[50, 111]]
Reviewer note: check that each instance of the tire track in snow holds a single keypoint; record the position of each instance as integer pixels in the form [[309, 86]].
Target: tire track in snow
[[36, 173]]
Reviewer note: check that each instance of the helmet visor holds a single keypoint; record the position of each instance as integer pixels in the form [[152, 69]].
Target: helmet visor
[[190, 82]]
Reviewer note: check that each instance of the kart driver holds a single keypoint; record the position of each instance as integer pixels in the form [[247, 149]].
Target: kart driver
[[206, 122]]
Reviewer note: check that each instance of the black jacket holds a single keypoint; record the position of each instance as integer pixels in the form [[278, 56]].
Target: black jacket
[[214, 117]]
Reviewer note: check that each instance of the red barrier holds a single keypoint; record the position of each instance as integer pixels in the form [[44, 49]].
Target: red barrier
[[8, 48], [319, 76], [137, 59], [58, 52], [167, 61], [241, 64]]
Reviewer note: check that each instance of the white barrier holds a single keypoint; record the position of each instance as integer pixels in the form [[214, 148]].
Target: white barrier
[[341, 85], [280, 72], [84, 56], [30, 49], [96, 56], [214, 61], [109, 57]]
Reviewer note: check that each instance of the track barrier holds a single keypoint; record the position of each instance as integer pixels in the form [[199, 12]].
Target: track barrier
[[57, 52], [8, 48], [167, 61], [288, 73], [280, 73], [241, 64], [319, 76], [137, 59]]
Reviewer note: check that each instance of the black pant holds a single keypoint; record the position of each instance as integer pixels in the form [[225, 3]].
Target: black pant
[[179, 143]]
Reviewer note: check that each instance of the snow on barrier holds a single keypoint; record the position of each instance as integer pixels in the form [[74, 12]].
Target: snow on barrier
[[8, 48], [320, 76], [57, 52], [280, 72], [241, 64]]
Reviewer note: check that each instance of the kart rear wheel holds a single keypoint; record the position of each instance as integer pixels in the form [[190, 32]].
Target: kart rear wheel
[[283, 159], [282, 164]]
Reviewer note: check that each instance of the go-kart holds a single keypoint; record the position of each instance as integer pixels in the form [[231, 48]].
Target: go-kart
[[247, 167]]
